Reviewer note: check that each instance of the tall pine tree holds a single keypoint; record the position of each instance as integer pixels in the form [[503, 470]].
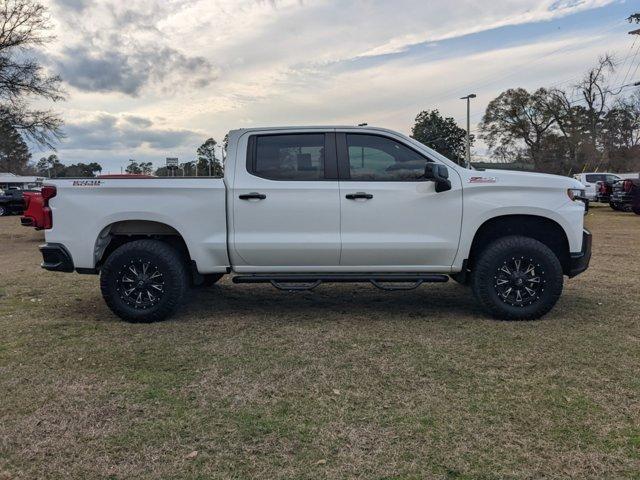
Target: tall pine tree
[[14, 154]]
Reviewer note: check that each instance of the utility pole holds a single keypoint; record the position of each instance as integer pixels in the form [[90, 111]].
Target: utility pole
[[468, 99]]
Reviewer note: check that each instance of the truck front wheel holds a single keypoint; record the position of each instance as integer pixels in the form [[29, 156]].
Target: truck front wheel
[[144, 281], [517, 278]]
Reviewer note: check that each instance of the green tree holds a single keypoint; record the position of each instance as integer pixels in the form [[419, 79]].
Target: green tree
[[517, 116], [189, 169], [146, 168], [133, 168], [50, 167], [139, 168], [441, 134], [82, 170], [207, 160], [14, 154]]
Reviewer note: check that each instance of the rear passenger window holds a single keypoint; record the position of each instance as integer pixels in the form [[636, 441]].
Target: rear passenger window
[[593, 178], [289, 157], [372, 157]]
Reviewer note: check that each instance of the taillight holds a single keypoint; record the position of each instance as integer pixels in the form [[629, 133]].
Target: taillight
[[627, 185], [48, 192]]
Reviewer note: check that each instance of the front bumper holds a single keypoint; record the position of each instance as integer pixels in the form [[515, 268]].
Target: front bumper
[[580, 260], [56, 258]]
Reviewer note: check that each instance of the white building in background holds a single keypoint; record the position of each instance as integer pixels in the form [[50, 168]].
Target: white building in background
[[10, 180]]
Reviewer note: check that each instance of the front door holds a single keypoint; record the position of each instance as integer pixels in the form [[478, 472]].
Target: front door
[[286, 204], [392, 218]]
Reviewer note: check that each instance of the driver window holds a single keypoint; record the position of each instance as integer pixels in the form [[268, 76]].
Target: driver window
[[376, 158]]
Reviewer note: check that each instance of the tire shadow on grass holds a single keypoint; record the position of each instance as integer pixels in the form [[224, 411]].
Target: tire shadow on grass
[[335, 302]]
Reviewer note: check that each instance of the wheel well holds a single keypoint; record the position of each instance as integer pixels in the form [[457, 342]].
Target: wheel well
[[119, 233], [542, 229]]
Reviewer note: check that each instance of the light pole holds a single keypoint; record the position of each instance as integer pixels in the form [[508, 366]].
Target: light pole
[[468, 99]]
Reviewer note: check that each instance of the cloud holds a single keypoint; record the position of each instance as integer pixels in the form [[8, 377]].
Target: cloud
[[76, 5], [114, 70], [104, 131], [122, 49]]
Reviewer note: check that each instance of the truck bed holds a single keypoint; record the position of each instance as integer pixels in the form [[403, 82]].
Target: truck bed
[[86, 209]]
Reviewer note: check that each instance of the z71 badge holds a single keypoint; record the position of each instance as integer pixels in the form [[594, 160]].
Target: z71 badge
[[87, 183], [483, 180]]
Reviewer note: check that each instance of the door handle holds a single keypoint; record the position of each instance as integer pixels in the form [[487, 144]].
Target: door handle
[[355, 196], [252, 196]]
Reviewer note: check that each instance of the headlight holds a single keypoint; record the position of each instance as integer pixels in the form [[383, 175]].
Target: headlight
[[575, 193]]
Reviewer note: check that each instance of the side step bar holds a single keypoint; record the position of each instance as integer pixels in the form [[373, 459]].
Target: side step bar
[[305, 281]]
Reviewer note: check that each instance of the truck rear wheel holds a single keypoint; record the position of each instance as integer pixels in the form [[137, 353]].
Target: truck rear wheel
[[144, 281], [517, 278]]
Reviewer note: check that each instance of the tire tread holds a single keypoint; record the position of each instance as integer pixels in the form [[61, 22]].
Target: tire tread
[[176, 269], [482, 278]]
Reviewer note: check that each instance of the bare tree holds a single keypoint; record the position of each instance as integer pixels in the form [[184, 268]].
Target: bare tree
[[596, 94], [24, 25]]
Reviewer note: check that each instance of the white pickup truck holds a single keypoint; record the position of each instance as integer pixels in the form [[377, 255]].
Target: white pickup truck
[[302, 206]]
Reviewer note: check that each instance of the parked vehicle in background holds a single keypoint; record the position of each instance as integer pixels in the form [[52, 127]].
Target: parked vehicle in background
[[632, 176], [33, 215], [604, 190], [11, 202], [10, 180], [625, 196], [302, 206], [590, 181]]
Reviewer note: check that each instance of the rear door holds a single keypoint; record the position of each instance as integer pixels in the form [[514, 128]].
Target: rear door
[[286, 204], [392, 218]]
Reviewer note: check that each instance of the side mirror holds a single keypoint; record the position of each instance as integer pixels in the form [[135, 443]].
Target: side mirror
[[439, 174]]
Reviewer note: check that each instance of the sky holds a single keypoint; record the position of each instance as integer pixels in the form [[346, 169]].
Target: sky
[[150, 79]]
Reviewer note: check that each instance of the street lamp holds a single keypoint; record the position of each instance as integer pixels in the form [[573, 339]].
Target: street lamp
[[468, 99]]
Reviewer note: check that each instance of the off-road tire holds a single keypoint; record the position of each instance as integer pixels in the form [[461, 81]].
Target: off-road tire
[[487, 272], [158, 257]]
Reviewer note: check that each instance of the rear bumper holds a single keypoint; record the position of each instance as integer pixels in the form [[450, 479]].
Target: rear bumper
[[56, 258], [580, 260], [622, 198]]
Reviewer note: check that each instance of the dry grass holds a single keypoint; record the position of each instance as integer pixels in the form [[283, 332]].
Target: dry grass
[[344, 382]]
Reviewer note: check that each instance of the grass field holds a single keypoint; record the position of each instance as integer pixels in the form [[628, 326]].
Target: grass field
[[345, 382]]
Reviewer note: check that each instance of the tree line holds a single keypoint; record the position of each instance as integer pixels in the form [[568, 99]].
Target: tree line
[[207, 162], [591, 126]]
